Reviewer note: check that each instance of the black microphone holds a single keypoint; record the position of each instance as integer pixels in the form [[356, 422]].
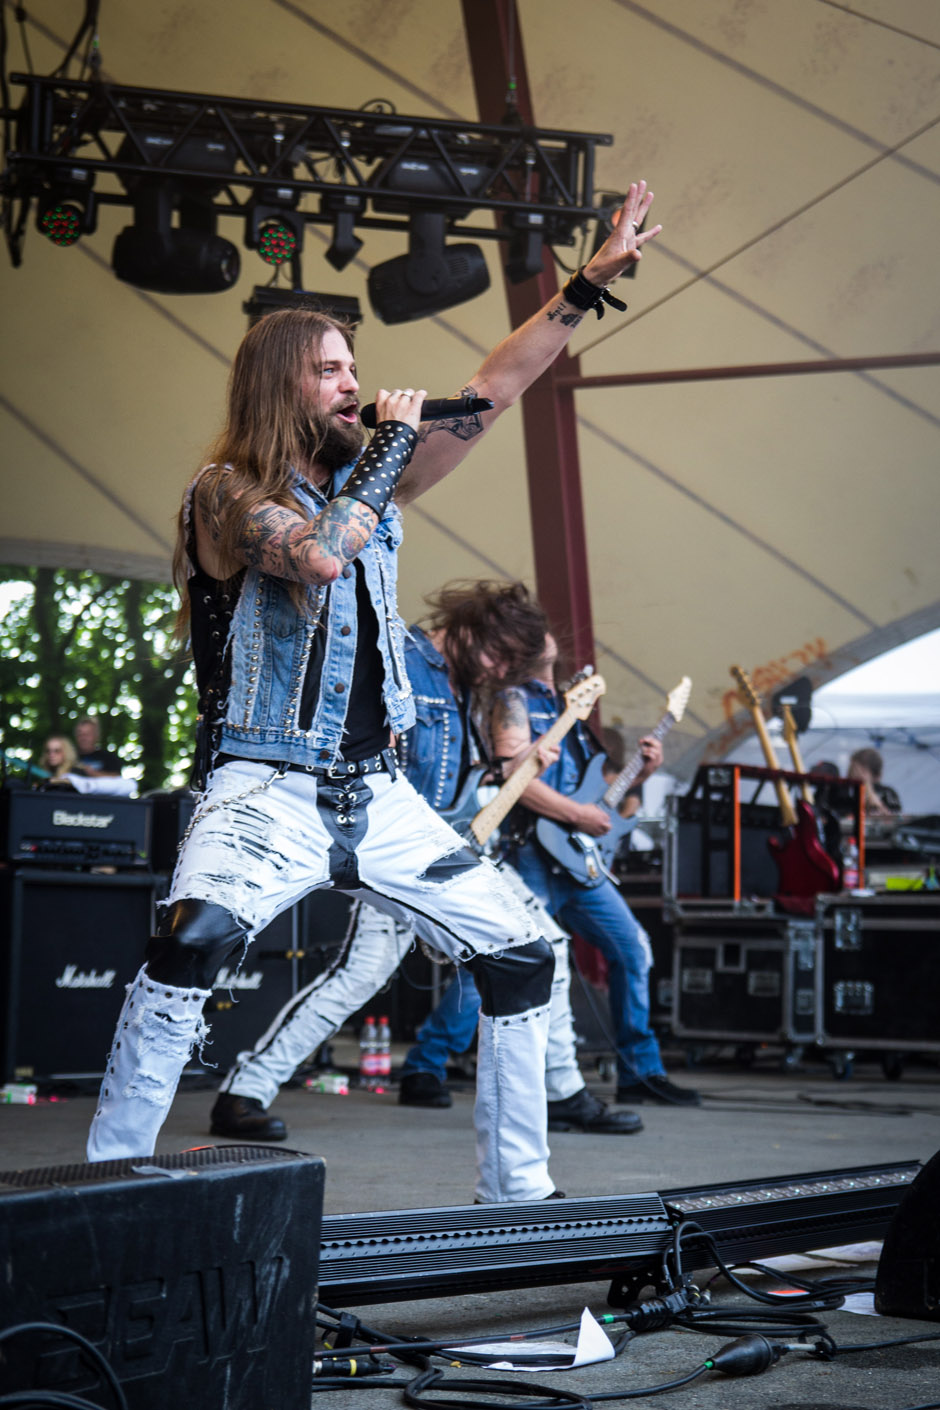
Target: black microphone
[[436, 409]]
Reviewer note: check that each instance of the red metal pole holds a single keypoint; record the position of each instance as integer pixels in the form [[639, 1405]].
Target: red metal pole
[[554, 476]]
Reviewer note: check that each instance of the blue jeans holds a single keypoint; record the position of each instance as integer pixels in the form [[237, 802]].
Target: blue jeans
[[449, 1028], [601, 916]]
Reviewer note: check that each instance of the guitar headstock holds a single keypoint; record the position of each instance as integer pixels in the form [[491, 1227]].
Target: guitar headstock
[[745, 687], [583, 695], [677, 699], [789, 725]]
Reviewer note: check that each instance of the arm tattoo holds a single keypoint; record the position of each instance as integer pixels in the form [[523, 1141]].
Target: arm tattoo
[[280, 543], [568, 319], [463, 427], [510, 711]]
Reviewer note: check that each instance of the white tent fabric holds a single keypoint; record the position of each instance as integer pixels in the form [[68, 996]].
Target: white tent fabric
[[788, 523]]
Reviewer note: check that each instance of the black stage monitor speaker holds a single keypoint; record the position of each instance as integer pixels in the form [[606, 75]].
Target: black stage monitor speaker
[[69, 942], [908, 1280], [194, 1275]]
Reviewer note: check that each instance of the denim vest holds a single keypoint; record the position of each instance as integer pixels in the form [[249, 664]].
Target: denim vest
[[544, 706], [269, 647], [430, 752]]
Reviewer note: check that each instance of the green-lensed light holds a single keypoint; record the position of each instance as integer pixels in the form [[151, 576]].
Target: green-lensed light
[[277, 243], [61, 224]]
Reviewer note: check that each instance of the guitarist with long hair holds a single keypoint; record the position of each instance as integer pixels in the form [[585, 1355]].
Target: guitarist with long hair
[[595, 909]]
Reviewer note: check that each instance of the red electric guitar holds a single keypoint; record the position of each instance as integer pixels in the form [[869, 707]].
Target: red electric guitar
[[805, 868]]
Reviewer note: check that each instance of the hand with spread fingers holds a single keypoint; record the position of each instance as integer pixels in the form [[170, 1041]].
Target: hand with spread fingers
[[624, 244]]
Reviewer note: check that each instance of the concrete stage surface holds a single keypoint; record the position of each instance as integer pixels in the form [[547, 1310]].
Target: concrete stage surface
[[757, 1122]]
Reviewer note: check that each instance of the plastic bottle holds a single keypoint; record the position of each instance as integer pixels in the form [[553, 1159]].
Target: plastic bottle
[[383, 1051], [368, 1053], [850, 865]]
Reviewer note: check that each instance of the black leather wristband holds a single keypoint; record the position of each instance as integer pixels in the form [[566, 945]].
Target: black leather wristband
[[585, 295], [374, 479]]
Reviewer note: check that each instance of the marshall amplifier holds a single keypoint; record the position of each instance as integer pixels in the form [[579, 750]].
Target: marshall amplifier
[[69, 942], [65, 829]]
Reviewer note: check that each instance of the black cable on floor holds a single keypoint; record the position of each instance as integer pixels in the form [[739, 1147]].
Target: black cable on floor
[[37, 1399]]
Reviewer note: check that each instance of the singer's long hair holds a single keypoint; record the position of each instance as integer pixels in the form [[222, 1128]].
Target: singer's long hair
[[266, 433]]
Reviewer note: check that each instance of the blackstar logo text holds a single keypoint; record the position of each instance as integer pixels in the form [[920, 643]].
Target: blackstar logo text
[[61, 818]]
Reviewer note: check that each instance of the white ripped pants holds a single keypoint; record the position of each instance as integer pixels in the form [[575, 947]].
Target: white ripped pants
[[373, 948], [259, 842]]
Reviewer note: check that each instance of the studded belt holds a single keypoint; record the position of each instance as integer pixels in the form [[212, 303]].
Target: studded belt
[[383, 762]]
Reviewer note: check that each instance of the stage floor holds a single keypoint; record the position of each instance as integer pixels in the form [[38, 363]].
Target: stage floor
[[754, 1123]]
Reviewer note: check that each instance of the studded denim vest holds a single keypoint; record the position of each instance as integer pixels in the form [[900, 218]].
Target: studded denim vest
[[544, 706], [269, 649], [430, 752]]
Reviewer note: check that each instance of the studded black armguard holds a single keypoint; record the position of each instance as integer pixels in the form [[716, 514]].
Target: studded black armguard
[[378, 472]]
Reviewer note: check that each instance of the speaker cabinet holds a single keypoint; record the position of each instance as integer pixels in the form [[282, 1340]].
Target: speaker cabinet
[[908, 1279], [284, 957], [70, 941], [194, 1275]]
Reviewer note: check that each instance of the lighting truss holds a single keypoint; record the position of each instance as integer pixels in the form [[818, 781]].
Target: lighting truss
[[237, 152]]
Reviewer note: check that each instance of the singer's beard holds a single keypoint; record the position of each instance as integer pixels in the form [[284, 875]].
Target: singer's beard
[[331, 444]]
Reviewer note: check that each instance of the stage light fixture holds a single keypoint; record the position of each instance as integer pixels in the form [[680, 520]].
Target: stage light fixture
[[267, 298], [345, 245], [61, 223], [432, 276], [274, 228], [277, 243], [67, 209], [188, 258], [428, 176], [524, 259]]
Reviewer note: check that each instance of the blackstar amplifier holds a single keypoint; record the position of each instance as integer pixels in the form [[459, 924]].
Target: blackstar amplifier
[[75, 829]]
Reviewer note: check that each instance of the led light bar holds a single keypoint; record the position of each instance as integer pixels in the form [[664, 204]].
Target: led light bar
[[399, 1255]]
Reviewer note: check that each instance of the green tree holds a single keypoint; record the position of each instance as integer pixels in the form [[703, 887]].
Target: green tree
[[76, 643]]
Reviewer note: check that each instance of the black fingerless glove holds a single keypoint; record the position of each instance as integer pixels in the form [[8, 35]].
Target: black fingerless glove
[[379, 470]]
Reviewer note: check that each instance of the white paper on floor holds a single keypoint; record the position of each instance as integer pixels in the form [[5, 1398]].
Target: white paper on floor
[[593, 1345]]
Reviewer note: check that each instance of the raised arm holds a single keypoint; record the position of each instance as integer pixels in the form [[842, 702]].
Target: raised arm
[[522, 357], [282, 542]]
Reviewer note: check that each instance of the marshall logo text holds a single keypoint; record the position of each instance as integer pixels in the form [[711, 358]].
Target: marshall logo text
[[74, 978]]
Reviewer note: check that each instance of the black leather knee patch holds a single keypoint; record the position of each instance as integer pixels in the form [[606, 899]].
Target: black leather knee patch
[[515, 980], [193, 941]]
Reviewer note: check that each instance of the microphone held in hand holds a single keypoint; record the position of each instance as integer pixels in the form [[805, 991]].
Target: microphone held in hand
[[436, 409]]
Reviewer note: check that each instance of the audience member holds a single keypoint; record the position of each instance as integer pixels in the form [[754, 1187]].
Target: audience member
[[58, 758], [881, 801], [95, 762]]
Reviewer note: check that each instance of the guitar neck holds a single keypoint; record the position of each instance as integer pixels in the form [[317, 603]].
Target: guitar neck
[[787, 813], [491, 815], [633, 767], [789, 734]]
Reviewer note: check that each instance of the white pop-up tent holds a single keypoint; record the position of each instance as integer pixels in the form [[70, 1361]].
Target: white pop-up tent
[[892, 705]]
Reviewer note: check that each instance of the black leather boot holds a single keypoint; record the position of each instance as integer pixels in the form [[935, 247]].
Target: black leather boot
[[244, 1119]]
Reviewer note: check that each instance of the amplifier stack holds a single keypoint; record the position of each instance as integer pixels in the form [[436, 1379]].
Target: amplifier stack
[[80, 881]]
